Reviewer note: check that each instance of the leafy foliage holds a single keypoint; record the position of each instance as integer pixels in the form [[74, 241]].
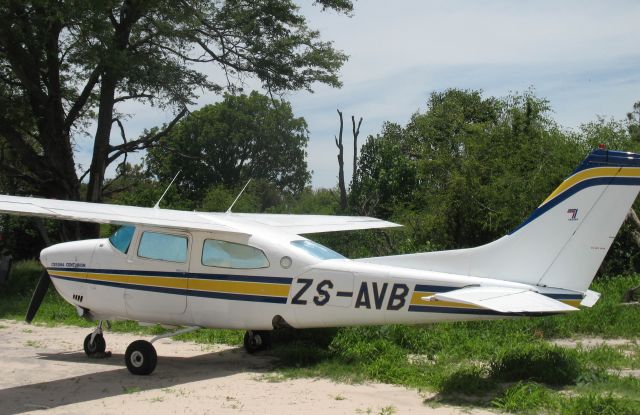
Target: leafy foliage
[[65, 63], [469, 169], [228, 143]]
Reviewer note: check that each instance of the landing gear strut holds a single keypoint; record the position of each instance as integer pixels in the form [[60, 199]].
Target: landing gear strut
[[255, 341]]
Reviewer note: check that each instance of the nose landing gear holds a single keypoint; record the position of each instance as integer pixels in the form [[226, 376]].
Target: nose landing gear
[[94, 344]]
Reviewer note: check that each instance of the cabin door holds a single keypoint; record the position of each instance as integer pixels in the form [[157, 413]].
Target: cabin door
[[157, 284]]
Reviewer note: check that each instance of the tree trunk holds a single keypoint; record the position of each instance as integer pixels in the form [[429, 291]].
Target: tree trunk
[[343, 189], [101, 143], [356, 132]]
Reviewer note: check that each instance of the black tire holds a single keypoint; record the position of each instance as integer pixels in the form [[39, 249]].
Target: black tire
[[141, 358], [255, 341], [98, 345]]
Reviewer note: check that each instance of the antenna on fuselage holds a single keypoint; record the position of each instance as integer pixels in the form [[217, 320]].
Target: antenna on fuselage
[[157, 205], [238, 197]]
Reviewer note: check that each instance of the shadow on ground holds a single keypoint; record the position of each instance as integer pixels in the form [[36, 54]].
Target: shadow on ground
[[170, 372]]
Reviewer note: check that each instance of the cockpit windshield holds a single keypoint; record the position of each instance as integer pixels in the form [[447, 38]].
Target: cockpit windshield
[[121, 238], [317, 250]]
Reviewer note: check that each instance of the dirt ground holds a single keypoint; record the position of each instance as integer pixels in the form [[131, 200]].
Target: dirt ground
[[44, 370]]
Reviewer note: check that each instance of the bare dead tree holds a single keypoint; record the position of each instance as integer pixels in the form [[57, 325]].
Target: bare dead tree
[[343, 189], [356, 132]]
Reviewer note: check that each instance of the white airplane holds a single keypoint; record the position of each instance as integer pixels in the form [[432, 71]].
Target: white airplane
[[255, 271]]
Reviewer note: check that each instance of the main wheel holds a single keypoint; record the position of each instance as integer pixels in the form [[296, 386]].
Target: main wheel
[[141, 357], [98, 345], [255, 341]]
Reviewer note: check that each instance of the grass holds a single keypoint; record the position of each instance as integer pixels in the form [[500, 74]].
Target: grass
[[507, 364]]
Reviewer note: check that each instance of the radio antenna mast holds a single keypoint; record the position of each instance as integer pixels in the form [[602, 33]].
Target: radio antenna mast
[[238, 197], [157, 205]]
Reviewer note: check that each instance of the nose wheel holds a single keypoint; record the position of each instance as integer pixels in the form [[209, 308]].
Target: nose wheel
[[95, 346]]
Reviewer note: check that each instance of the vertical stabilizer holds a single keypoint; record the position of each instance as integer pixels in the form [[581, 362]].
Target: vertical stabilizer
[[563, 242]]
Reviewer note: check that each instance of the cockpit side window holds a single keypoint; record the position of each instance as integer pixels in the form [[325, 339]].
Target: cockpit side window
[[121, 238], [163, 246], [317, 250], [223, 254]]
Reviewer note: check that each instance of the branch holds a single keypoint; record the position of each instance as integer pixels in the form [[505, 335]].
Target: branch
[[26, 153], [75, 110], [182, 55], [145, 141], [84, 175], [134, 96], [11, 171]]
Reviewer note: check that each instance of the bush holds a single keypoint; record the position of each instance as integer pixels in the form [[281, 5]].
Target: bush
[[524, 397], [467, 380], [539, 363], [600, 405]]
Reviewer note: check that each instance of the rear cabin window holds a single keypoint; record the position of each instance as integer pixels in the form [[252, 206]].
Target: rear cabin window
[[162, 246], [317, 250], [225, 254], [121, 238]]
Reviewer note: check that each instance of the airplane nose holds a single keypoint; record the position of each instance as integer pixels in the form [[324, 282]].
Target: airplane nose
[[68, 254]]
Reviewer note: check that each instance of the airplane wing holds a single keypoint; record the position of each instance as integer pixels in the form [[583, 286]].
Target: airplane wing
[[303, 224], [222, 222], [503, 300]]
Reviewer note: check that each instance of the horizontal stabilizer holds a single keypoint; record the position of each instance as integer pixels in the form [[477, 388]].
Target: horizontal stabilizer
[[590, 299], [503, 300]]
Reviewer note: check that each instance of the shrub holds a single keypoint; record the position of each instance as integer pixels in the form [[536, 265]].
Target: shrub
[[539, 363]]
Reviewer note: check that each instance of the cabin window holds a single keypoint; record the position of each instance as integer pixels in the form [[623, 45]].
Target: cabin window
[[316, 250], [163, 247], [225, 254], [121, 238]]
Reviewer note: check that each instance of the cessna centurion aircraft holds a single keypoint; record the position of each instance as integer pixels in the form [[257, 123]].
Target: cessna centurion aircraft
[[255, 271]]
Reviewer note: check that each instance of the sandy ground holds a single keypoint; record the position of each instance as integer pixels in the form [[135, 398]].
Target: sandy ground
[[44, 370]]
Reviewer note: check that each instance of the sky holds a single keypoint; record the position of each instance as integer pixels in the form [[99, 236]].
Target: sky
[[583, 56]]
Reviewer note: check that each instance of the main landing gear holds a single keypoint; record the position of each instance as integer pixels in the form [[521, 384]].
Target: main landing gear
[[257, 340], [140, 357]]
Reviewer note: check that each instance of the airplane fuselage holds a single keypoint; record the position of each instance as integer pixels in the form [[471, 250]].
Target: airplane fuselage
[[180, 278]]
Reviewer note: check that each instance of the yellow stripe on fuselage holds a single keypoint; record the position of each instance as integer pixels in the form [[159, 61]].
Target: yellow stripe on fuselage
[[240, 287], [231, 287], [593, 173]]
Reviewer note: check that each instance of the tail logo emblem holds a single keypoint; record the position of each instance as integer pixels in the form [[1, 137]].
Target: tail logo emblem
[[573, 213]]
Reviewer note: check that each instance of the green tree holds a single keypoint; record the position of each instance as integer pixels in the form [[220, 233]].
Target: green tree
[[229, 142], [63, 63], [465, 171]]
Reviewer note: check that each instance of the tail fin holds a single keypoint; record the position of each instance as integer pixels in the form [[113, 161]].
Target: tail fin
[[563, 242]]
